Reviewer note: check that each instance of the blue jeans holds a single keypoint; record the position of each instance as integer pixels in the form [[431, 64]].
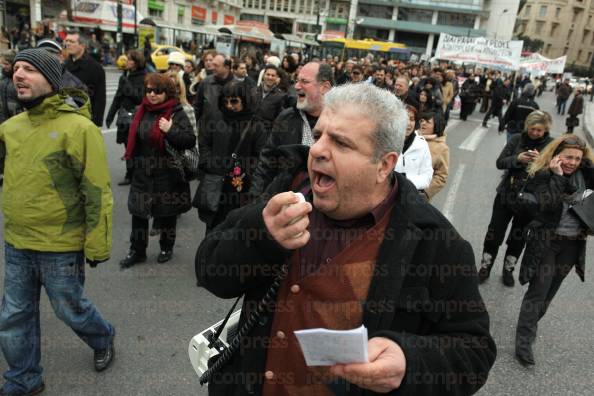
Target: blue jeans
[[62, 275], [561, 106]]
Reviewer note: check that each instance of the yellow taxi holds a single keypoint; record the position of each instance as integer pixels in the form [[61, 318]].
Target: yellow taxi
[[159, 56]]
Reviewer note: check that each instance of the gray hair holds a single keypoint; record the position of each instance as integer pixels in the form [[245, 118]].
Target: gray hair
[[380, 106]]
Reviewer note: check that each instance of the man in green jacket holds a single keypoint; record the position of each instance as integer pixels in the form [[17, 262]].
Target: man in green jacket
[[57, 205]]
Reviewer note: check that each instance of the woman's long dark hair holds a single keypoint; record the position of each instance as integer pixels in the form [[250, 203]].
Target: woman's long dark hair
[[439, 123]]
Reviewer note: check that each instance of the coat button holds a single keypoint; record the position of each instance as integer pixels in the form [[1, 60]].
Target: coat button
[[269, 375], [295, 289], [280, 334]]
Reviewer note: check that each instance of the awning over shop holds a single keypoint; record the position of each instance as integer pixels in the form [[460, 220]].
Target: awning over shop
[[249, 31], [293, 40], [103, 14]]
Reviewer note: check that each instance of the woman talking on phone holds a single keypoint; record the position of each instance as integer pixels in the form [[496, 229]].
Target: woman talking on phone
[[561, 177], [521, 150]]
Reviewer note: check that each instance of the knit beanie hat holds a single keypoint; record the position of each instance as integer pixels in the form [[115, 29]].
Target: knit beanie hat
[[46, 63]]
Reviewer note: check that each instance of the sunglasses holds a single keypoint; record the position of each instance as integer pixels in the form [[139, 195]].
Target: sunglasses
[[574, 142], [156, 91], [232, 101]]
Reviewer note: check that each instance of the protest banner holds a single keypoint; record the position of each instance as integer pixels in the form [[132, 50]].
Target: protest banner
[[480, 50], [538, 64]]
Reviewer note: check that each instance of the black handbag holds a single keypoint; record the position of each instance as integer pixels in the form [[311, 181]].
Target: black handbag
[[209, 192], [124, 119], [584, 210], [525, 203]]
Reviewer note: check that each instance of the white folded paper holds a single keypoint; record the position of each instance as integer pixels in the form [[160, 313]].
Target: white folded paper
[[323, 347]]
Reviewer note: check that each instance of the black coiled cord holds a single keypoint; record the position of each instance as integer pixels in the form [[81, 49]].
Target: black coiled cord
[[246, 328]]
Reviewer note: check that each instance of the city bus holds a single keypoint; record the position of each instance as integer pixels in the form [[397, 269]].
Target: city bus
[[349, 48]]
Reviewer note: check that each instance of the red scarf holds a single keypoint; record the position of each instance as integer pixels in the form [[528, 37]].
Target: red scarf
[[157, 137]]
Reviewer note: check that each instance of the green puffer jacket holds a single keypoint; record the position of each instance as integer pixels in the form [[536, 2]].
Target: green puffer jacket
[[57, 193]]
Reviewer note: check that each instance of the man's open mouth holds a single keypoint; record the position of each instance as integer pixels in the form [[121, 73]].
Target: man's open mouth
[[322, 182]]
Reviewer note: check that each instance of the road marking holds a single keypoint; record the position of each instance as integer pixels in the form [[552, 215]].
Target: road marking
[[473, 140], [448, 206], [452, 124]]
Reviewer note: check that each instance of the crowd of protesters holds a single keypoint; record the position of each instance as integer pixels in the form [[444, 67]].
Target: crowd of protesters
[[254, 124]]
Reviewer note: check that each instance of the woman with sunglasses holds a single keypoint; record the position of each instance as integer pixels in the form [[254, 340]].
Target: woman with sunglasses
[[432, 128], [562, 176], [521, 150], [158, 188], [232, 156]]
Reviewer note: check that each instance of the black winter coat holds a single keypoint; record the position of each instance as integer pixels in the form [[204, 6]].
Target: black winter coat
[[128, 95], [550, 189], [287, 129], [208, 114], [515, 171], [498, 93], [516, 113], [419, 277], [91, 73], [9, 101], [470, 91], [158, 189], [222, 145], [269, 107]]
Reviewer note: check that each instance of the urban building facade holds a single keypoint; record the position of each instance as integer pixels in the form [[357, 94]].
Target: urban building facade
[[416, 23], [565, 27]]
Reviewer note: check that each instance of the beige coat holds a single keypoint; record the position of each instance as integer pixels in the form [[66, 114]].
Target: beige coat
[[440, 159], [448, 94]]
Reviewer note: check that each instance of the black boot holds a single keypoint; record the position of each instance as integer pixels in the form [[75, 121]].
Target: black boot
[[132, 258], [486, 265], [507, 275]]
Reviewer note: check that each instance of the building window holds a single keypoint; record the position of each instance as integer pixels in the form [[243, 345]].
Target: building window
[[585, 36], [569, 34], [376, 34], [180, 15], [554, 27], [538, 27], [335, 27], [455, 19], [542, 12], [576, 16], [527, 10], [548, 49], [251, 17], [306, 28], [415, 15], [155, 13], [579, 55], [375, 11], [292, 9], [589, 57], [557, 12]]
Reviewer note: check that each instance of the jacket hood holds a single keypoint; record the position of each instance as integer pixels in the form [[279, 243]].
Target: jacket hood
[[67, 100]]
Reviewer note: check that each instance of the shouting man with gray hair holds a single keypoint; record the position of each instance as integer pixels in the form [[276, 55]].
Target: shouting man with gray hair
[[294, 125], [363, 249]]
